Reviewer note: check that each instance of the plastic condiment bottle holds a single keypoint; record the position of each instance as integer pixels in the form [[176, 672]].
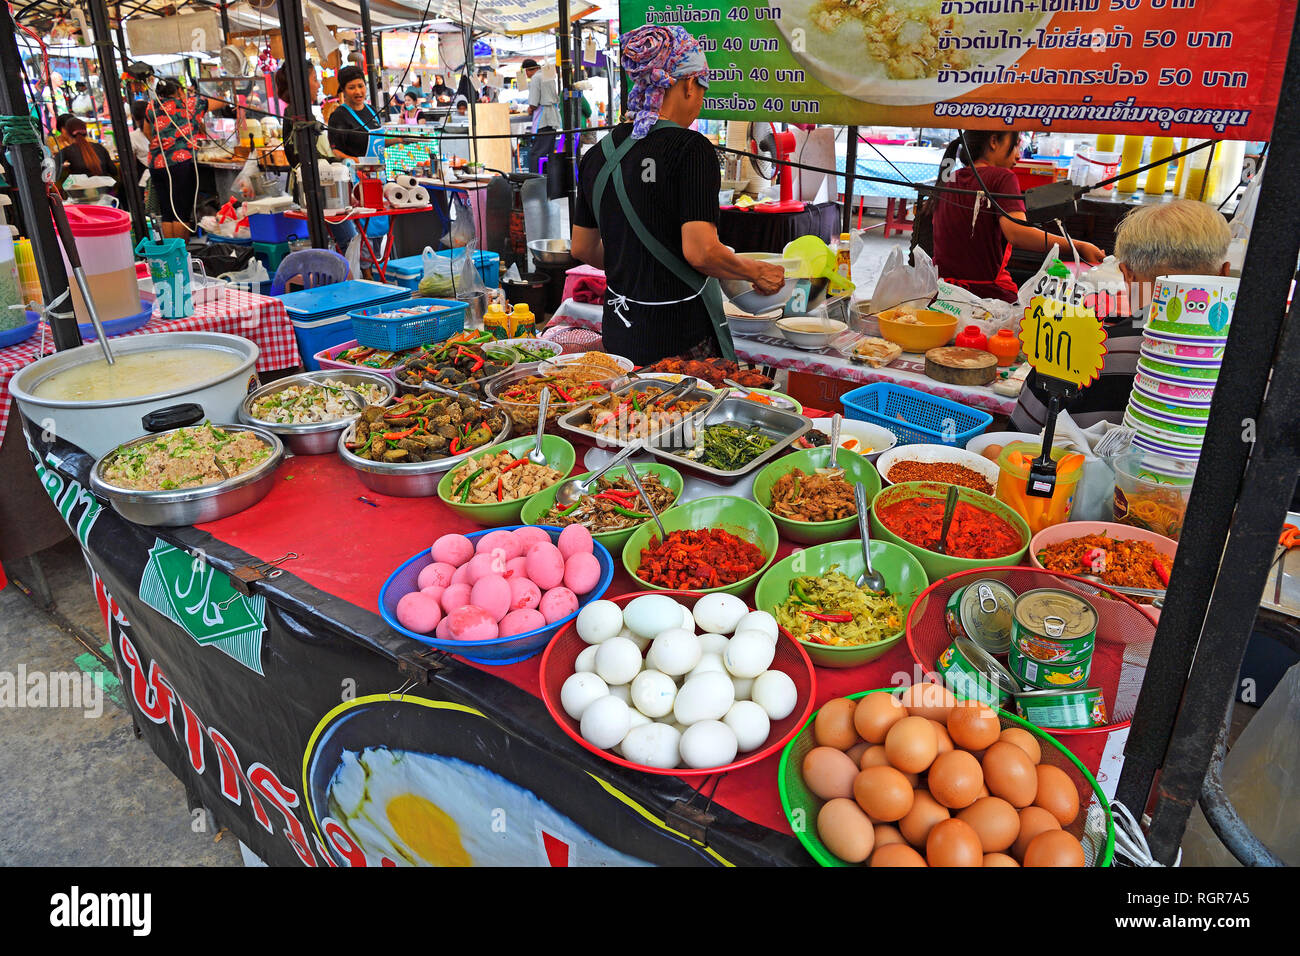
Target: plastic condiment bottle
[[522, 320], [843, 255], [972, 338], [495, 321], [1005, 346]]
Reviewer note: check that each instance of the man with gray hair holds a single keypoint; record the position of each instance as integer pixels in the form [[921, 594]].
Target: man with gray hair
[[1182, 237]]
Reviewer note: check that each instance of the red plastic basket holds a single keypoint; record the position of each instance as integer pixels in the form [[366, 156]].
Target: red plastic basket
[[561, 654], [1124, 634]]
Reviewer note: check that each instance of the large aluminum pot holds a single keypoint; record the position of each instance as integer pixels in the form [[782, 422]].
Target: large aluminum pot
[[98, 427]]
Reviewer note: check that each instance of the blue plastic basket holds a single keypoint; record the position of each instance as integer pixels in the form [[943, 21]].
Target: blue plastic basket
[[501, 650], [408, 331], [914, 416]]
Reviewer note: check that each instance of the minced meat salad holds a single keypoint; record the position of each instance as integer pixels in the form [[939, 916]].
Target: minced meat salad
[[186, 458]]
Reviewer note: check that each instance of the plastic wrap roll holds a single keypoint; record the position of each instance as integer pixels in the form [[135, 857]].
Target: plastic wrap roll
[[419, 196], [395, 195]]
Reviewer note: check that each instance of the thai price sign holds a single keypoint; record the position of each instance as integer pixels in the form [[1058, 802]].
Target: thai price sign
[[1063, 340]]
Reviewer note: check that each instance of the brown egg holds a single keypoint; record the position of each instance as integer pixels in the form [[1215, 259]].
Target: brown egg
[[834, 724], [875, 714], [1055, 848], [883, 793], [991, 452], [897, 854], [886, 834], [845, 830], [941, 732], [955, 779], [953, 843], [1010, 774], [995, 820], [857, 750], [928, 700], [829, 773], [984, 791], [925, 813], [972, 725], [1025, 741], [1033, 821], [1057, 794], [875, 756], [998, 859], [911, 744]]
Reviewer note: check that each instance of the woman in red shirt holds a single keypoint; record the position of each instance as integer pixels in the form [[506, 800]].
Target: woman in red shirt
[[972, 242]]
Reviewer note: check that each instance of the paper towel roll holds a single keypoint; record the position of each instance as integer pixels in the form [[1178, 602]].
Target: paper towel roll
[[406, 182], [394, 194], [419, 196]]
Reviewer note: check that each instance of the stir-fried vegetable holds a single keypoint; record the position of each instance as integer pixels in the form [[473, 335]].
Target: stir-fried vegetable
[[728, 447]]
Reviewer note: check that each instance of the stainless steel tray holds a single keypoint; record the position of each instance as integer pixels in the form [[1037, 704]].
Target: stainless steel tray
[[573, 421], [784, 426], [314, 438]]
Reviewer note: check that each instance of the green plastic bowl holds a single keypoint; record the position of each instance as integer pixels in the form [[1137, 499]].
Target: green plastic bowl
[[739, 516], [857, 470], [1094, 826], [559, 455], [941, 565], [539, 504], [903, 575]]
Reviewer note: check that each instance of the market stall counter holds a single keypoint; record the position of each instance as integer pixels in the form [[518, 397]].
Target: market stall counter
[[259, 671]]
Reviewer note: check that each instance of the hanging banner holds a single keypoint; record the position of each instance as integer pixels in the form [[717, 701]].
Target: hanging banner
[[1205, 68]]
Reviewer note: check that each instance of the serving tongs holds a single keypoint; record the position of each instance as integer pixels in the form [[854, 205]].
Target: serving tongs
[[671, 396]]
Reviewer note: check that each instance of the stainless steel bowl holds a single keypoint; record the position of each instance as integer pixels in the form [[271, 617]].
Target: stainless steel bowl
[[172, 509], [412, 479], [783, 426], [551, 252], [316, 438]]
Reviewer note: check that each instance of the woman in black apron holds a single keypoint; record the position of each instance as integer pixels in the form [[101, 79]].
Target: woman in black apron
[[647, 212]]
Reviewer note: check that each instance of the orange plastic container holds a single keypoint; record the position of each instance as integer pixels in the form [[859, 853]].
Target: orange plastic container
[[1013, 474], [1006, 346]]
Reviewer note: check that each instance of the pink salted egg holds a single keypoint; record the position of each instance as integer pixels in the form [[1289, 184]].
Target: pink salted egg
[[558, 603], [545, 566], [443, 633], [517, 567], [461, 575], [434, 591], [492, 593], [520, 622], [456, 596], [455, 549], [471, 623], [581, 572], [438, 573], [575, 539], [484, 564], [503, 540], [418, 612], [524, 594], [529, 536]]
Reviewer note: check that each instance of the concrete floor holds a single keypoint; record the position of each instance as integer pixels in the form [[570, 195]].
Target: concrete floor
[[81, 790]]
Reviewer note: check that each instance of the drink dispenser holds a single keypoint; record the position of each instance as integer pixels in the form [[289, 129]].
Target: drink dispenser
[[169, 267], [103, 238]]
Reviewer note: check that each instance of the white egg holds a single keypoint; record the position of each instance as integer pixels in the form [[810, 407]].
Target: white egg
[[748, 655], [586, 661], [775, 692], [707, 697], [599, 621], [713, 643], [688, 619], [710, 743], [719, 613], [622, 691], [758, 621], [750, 724], [653, 745], [708, 662], [617, 660], [744, 687], [653, 693], [637, 719], [579, 690], [649, 614], [674, 651], [641, 642], [606, 722]]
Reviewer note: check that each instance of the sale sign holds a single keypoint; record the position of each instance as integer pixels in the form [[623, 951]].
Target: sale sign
[[1205, 68], [1063, 340]]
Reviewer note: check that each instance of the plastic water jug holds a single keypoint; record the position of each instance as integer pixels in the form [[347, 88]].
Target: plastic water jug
[[103, 237], [169, 266]]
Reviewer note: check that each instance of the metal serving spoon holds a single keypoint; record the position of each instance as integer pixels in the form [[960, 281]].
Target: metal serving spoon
[[636, 483], [537, 456], [573, 489], [870, 579], [949, 506], [834, 471]]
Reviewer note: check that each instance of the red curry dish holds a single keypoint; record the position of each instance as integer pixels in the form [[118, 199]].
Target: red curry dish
[[975, 533]]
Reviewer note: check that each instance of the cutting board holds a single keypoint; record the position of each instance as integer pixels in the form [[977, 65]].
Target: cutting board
[[958, 366]]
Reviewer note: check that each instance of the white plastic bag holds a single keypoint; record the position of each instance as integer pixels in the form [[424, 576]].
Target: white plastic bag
[[461, 232], [901, 284], [450, 277], [353, 254]]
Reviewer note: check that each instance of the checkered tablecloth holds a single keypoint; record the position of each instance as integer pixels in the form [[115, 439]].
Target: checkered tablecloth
[[259, 318]]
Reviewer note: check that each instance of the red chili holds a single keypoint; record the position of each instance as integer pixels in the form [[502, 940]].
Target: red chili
[[398, 436], [563, 394], [514, 464], [499, 497], [1161, 573], [454, 446], [829, 618]]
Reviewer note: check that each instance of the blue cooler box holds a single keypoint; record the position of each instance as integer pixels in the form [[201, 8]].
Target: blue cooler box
[[320, 316], [409, 270]]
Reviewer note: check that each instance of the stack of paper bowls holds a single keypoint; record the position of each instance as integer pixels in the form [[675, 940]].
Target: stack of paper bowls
[[1182, 348]]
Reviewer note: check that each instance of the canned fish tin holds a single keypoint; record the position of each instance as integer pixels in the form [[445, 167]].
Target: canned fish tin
[[1034, 673], [972, 673], [1077, 709], [1054, 627], [986, 611]]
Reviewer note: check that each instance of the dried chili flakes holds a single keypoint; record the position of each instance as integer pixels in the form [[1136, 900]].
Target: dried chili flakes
[[694, 560], [945, 471]]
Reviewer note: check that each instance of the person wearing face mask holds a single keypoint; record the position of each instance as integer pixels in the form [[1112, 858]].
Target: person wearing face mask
[[972, 242]]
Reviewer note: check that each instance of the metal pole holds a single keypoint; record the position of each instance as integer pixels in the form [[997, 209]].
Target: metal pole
[[1185, 622], [467, 69], [850, 177], [295, 61], [121, 31], [564, 58], [368, 49], [26, 161], [112, 78], [225, 23]]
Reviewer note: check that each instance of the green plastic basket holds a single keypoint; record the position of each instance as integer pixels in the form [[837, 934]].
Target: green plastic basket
[[1094, 826]]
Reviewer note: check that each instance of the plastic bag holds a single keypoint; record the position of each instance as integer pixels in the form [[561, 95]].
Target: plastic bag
[[988, 315], [450, 277], [461, 232], [353, 254], [246, 183], [901, 284]]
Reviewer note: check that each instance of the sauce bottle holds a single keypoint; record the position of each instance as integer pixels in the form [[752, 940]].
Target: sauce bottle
[[1006, 346], [495, 321], [522, 320], [843, 255]]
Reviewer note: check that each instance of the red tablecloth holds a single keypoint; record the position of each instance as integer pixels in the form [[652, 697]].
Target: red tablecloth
[[318, 495], [258, 318]]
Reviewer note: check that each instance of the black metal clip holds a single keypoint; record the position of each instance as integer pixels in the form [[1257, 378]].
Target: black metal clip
[[243, 577], [420, 666]]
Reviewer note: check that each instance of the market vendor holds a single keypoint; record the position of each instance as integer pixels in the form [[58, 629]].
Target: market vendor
[[654, 230], [83, 156], [440, 93], [356, 129], [972, 241], [1183, 237], [177, 123]]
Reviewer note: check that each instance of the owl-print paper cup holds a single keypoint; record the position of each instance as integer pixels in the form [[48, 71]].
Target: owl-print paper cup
[[1182, 348], [1193, 305]]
